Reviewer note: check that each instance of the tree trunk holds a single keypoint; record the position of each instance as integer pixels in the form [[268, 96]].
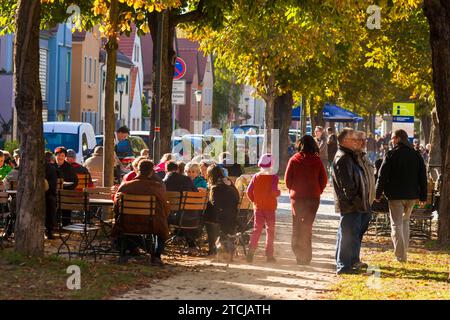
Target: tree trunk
[[426, 127], [269, 123], [438, 15], [303, 115], [283, 114], [110, 81], [312, 116], [168, 67], [434, 160], [29, 229]]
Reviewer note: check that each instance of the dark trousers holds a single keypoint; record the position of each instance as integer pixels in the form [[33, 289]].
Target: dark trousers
[[303, 216], [212, 229], [154, 244], [50, 212], [352, 227]]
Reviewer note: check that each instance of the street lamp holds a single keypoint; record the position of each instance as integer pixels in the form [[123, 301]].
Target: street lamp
[[121, 86], [198, 98]]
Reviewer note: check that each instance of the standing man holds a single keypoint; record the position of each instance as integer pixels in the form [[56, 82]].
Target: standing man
[[351, 195], [332, 146], [123, 147], [403, 180], [321, 141]]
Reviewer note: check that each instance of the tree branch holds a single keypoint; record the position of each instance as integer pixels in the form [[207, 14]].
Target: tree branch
[[191, 16]]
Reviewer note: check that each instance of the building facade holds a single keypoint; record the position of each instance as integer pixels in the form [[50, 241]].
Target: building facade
[[84, 105], [59, 73], [121, 101]]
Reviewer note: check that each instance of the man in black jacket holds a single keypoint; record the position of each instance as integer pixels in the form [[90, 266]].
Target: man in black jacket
[[175, 181], [66, 172], [351, 193], [403, 180]]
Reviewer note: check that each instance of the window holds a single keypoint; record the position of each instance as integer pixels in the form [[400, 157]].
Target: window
[[90, 70], [84, 143], [115, 90], [126, 85], [95, 71], [85, 66], [43, 58], [137, 53]]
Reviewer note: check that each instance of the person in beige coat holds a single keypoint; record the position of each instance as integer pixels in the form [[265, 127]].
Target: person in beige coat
[[95, 165]]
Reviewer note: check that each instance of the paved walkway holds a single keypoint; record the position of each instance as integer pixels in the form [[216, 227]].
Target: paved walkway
[[207, 279]]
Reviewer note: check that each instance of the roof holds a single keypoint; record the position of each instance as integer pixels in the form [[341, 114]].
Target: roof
[[194, 59], [66, 126], [126, 43], [78, 36], [122, 60]]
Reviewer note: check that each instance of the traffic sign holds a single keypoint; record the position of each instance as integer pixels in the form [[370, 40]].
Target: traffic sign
[[178, 92], [403, 117], [180, 69]]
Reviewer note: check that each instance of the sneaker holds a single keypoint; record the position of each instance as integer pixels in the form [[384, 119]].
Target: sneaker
[[249, 257], [347, 271], [271, 259], [360, 266]]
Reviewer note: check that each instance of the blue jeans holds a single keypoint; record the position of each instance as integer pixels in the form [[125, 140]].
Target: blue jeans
[[352, 227]]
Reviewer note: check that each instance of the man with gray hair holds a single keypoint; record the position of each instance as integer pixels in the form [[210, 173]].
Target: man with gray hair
[[351, 195], [403, 181]]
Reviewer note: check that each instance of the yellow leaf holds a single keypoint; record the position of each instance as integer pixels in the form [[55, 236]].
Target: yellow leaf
[[144, 27]]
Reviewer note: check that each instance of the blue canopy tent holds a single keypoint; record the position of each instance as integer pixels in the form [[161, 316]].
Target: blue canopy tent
[[337, 114], [330, 113]]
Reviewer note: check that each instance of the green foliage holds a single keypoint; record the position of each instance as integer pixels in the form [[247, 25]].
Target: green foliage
[[10, 146], [226, 95], [145, 107]]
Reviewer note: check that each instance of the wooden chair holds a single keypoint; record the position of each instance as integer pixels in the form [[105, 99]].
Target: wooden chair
[[59, 183], [74, 200], [83, 181], [135, 218], [245, 222], [187, 209], [13, 185]]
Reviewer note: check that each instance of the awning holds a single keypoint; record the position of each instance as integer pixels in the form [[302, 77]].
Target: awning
[[296, 113], [330, 113], [335, 113]]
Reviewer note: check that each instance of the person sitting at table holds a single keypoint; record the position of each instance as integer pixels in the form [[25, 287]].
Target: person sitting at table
[[192, 170], [134, 165], [94, 164], [67, 172], [175, 181], [78, 168], [13, 175], [221, 213], [143, 184], [4, 167], [51, 177]]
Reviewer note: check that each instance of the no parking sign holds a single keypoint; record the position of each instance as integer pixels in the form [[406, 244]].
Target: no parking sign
[[180, 69]]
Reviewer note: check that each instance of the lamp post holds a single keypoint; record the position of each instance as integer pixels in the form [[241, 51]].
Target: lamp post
[[198, 98], [121, 86], [246, 109]]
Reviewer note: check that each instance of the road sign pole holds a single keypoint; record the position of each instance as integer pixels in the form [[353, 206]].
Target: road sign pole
[[157, 137]]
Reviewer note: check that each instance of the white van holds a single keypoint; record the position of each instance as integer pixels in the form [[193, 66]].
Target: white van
[[78, 136]]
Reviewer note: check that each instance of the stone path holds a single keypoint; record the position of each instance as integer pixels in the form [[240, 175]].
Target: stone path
[[208, 279]]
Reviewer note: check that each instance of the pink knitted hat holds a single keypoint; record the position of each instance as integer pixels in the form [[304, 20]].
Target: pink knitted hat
[[265, 161]]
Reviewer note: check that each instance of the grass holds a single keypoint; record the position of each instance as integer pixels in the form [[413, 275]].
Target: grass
[[45, 278], [426, 275]]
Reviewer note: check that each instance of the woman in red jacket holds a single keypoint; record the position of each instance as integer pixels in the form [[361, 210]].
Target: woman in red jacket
[[306, 179]]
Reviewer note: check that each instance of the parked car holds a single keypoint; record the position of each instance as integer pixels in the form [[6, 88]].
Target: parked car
[[78, 136]]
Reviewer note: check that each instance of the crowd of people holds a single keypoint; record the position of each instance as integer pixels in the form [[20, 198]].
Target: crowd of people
[[345, 159]]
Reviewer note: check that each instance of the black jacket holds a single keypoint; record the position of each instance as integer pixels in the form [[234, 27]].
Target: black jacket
[[51, 175], [67, 172], [351, 188], [177, 182], [402, 175], [332, 146]]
